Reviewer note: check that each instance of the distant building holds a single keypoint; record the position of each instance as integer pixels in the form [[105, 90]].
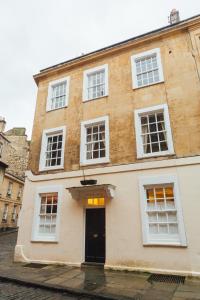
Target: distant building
[[3, 145], [14, 151], [129, 115]]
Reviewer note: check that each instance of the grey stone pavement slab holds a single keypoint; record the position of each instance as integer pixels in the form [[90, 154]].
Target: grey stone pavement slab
[[92, 282]]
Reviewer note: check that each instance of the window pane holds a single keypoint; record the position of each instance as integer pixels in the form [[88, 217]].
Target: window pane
[[172, 217], [155, 147], [152, 127], [162, 217], [102, 153], [159, 192], [41, 229], [95, 141], [43, 209], [147, 70], [157, 140], [96, 84], [153, 228], [154, 138], [150, 194], [170, 203], [161, 212], [163, 229], [160, 204], [58, 97], [152, 118], [173, 228], [169, 192], [144, 120], [151, 204], [152, 217], [48, 213], [54, 143], [163, 146]]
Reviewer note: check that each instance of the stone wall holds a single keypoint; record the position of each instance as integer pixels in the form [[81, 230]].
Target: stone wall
[[17, 151], [15, 155], [180, 91]]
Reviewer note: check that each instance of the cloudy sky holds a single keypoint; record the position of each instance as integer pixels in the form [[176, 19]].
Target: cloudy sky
[[35, 34]]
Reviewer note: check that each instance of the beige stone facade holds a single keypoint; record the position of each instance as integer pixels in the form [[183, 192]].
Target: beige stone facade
[[3, 165], [10, 200], [133, 239], [15, 150]]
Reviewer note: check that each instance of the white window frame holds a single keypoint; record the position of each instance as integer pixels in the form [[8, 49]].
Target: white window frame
[[10, 189], [139, 144], [85, 81], [161, 180], [45, 135], [49, 97], [19, 194], [106, 159], [1, 149], [5, 212], [36, 236], [143, 55], [14, 213]]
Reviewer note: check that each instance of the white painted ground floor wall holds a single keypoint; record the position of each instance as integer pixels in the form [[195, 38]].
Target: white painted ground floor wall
[[124, 238]]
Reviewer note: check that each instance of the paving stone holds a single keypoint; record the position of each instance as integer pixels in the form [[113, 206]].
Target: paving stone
[[189, 288], [187, 295], [123, 285], [169, 287], [10, 291]]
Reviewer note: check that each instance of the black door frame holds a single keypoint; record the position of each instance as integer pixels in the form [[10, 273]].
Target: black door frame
[[90, 208]]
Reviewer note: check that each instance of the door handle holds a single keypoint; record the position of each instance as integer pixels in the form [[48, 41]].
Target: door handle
[[95, 235]]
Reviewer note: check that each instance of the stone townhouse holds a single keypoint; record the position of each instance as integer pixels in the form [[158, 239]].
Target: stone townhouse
[[114, 167], [14, 152], [3, 143]]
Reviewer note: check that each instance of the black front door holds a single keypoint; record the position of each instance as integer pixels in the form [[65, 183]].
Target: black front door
[[95, 235]]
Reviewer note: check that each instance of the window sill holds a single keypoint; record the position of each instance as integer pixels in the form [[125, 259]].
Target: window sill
[[93, 99], [49, 110], [44, 241], [162, 244], [156, 154], [89, 163], [147, 85], [51, 168]]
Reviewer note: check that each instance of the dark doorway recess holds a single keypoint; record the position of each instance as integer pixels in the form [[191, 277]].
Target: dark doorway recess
[[95, 235]]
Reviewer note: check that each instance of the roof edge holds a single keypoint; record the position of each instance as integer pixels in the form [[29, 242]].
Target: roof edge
[[167, 28]]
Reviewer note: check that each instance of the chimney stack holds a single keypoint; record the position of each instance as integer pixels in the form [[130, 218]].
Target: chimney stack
[[2, 124], [174, 16]]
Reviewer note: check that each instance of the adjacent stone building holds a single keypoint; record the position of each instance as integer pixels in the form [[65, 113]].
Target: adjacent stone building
[[14, 154], [3, 166], [115, 157]]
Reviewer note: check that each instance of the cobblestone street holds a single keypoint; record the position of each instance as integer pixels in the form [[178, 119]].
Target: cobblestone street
[[12, 291]]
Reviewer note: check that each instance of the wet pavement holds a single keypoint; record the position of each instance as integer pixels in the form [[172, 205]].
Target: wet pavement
[[13, 291], [90, 282]]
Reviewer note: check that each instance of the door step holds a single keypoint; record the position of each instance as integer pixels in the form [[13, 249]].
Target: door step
[[92, 264]]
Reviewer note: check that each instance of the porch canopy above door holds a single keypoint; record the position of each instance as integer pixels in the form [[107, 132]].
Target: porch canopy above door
[[92, 192]]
